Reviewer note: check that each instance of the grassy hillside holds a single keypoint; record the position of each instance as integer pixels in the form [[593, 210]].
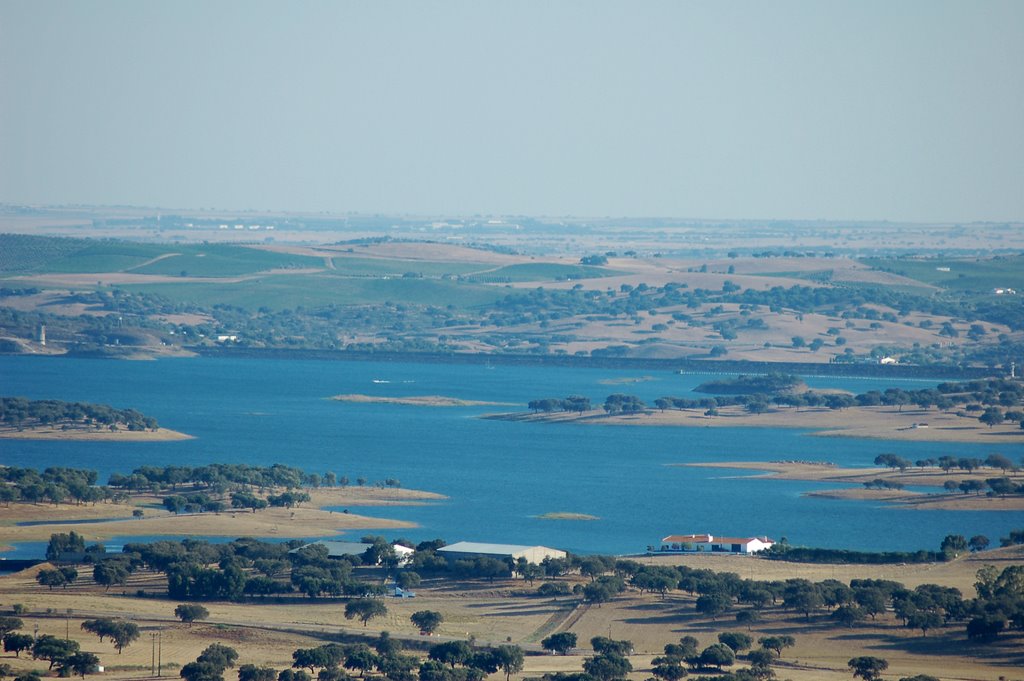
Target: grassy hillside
[[316, 290], [975, 274], [221, 260], [23, 254], [544, 272], [378, 267]]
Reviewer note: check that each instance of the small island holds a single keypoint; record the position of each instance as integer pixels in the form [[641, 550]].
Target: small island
[[567, 516], [418, 401], [24, 419], [771, 384]]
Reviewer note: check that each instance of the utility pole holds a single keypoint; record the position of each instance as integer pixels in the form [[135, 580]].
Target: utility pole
[[152, 654]]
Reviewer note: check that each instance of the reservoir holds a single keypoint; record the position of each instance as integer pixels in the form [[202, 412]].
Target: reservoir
[[499, 475]]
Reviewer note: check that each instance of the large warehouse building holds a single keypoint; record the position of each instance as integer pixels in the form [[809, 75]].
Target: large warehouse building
[[467, 550]]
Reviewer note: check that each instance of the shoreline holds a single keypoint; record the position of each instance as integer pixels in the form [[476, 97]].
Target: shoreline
[[685, 365], [875, 423], [929, 477], [85, 434], [311, 520]]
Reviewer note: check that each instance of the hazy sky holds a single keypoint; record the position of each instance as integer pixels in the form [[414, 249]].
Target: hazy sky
[[907, 110]]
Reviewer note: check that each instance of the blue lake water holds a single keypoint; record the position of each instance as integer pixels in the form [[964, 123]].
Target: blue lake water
[[498, 475]]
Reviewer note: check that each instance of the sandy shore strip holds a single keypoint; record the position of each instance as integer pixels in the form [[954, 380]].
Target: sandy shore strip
[[883, 423], [420, 401], [919, 500], [927, 477], [310, 520], [91, 434]]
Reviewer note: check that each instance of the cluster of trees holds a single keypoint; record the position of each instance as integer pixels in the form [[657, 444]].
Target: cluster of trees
[[1000, 602], [217, 658], [449, 661], [804, 554], [219, 476], [64, 656], [57, 485], [758, 402], [613, 404], [240, 479], [120, 632], [19, 412], [62, 577], [54, 485], [199, 502], [247, 568], [623, 404], [994, 398], [769, 383], [576, 403]]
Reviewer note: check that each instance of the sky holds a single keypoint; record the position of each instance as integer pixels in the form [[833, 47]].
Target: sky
[[859, 110]]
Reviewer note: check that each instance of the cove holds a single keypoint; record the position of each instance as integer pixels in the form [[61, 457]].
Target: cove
[[499, 476]]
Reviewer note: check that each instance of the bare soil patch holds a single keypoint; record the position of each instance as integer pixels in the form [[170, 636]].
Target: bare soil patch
[[102, 435]]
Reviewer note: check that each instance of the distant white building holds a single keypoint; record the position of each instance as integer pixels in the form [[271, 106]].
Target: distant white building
[[468, 550], [888, 360], [715, 544]]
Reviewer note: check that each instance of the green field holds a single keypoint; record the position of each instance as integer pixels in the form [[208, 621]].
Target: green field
[[286, 291], [975, 274], [220, 260], [809, 275], [20, 254], [543, 271], [380, 267], [23, 254]]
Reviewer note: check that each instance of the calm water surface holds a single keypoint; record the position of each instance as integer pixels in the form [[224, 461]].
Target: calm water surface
[[499, 476]]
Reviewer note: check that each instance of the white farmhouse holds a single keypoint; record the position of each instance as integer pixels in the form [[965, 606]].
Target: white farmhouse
[[715, 544]]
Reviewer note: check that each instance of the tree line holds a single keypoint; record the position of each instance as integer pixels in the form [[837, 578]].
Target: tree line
[[991, 401], [20, 413], [55, 485]]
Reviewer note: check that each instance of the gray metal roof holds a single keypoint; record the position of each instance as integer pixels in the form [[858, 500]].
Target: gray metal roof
[[340, 548], [496, 549]]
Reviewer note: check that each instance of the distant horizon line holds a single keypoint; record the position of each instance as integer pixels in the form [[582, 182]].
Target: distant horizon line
[[6, 205]]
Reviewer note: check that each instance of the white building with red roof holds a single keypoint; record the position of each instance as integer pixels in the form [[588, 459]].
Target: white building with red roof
[[715, 544]]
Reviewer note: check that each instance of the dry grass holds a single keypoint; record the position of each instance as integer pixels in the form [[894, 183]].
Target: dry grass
[[267, 633], [104, 435], [303, 521]]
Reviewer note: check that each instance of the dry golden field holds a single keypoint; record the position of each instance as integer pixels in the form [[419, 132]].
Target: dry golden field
[[267, 633]]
